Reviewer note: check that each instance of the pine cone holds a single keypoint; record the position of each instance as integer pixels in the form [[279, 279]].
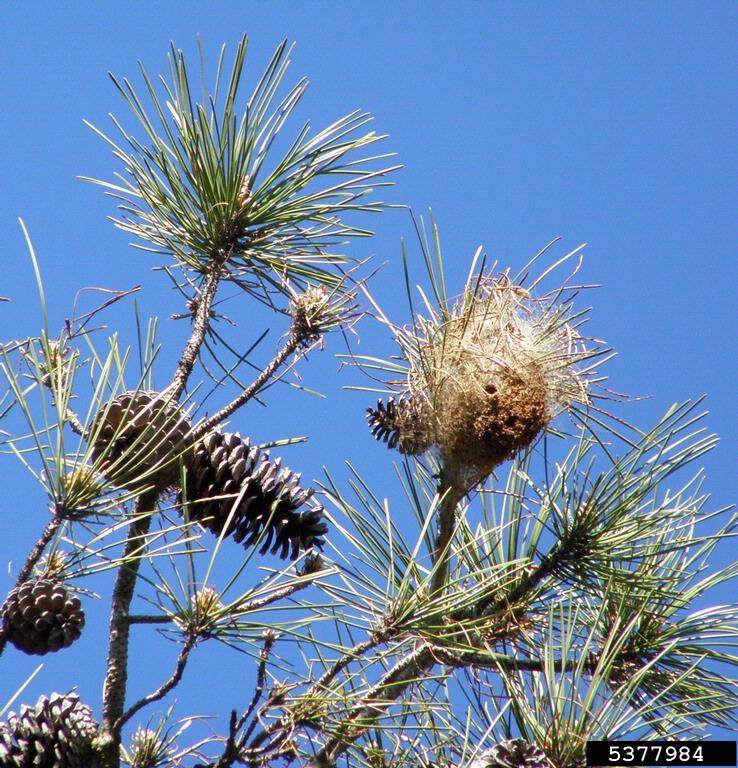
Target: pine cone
[[513, 753], [139, 436], [400, 424], [224, 469], [41, 617], [56, 733]]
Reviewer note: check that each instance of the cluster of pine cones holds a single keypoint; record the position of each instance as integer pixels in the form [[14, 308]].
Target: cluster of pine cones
[[231, 487]]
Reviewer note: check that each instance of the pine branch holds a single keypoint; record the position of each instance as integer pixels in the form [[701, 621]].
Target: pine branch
[[495, 661], [149, 619], [269, 639], [338, 666], [116, 678], [200, 325], [421, 662], [546, 567], [164, 688], [256, 746], [357, 721], [450, 495], [35, 555], [70, 417], [256, 605], [291, 345], [75, 424]]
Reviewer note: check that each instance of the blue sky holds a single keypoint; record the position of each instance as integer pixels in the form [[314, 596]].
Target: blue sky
[[605, 123]]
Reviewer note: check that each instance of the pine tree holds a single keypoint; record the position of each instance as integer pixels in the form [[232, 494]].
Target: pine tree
[[532, 588]]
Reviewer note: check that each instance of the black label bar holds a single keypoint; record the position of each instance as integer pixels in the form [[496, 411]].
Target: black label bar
[[703, 754]]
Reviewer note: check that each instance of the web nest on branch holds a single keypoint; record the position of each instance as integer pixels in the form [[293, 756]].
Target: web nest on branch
[[485, 378]]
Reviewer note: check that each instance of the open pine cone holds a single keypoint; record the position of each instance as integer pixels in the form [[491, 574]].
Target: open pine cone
[[223, 470], [401, 425], [513, 753], [56, 733]]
